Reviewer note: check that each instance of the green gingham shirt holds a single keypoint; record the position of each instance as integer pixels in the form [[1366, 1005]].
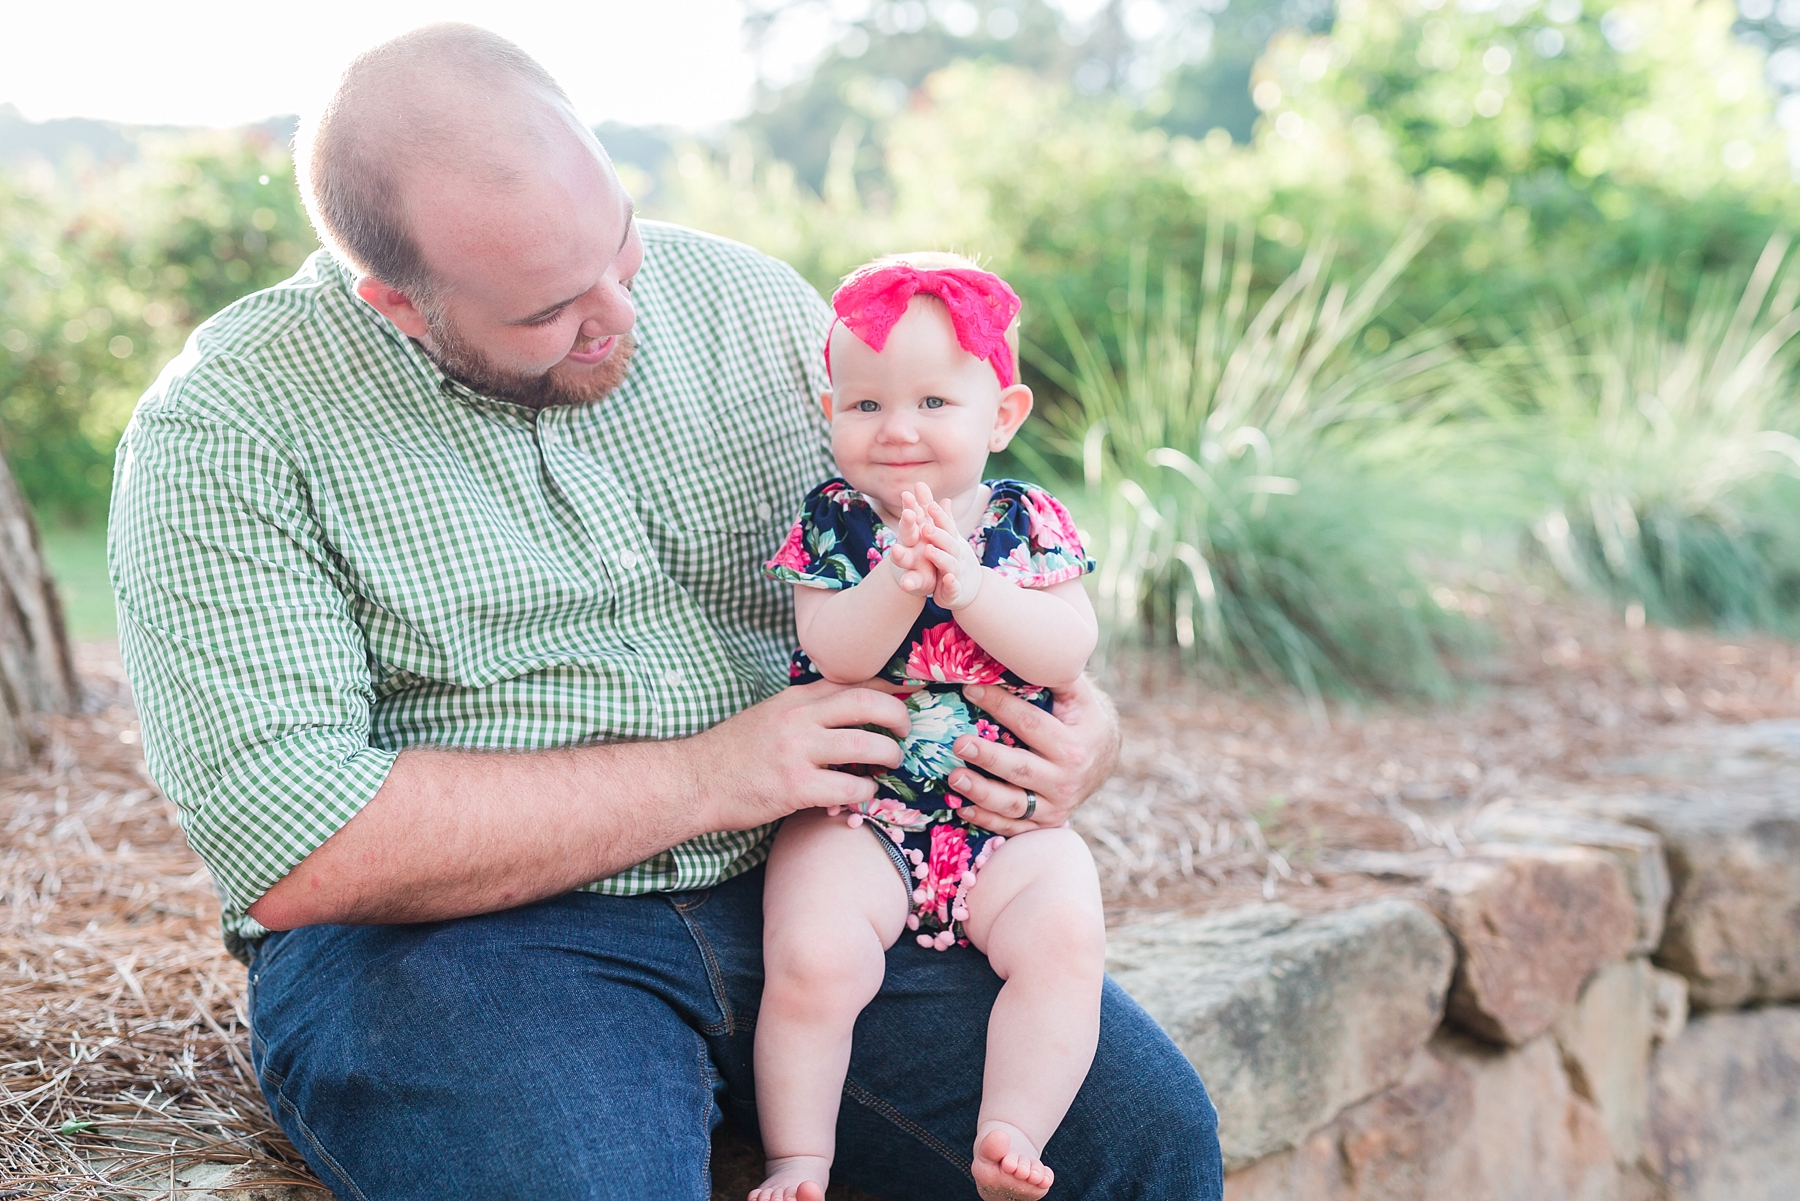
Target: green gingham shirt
[[326, 551]]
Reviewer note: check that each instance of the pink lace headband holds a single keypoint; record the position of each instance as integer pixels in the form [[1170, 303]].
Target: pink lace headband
[[981, 306]]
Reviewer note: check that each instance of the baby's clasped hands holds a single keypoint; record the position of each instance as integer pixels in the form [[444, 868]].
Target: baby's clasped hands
[[945, 554], [918, 576]]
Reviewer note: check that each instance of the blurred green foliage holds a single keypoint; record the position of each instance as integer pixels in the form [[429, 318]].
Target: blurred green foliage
[[1542, 216], [103, 272], [1661, 446], [1553, 147]]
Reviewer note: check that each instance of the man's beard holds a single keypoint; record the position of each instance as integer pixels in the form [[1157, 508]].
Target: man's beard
[[461, 361]]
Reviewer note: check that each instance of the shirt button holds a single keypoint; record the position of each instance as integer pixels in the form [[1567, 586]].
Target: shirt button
[[673, 678], [628, 559], [765, 511]]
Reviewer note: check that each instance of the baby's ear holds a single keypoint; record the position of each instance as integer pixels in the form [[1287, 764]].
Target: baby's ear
[[1015, 407]]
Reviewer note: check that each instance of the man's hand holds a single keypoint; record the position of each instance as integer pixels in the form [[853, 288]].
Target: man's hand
[[775, 757], [1063, 757]]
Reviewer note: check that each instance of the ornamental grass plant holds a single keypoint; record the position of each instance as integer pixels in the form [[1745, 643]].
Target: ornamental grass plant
[[1260, 477], [1659, 442]]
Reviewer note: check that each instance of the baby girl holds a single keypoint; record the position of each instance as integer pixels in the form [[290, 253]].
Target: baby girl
[[913, 569]]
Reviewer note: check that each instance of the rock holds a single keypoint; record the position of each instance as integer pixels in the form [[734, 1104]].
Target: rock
[[1725, 1108], [1289, 1018], [1605, 1040], [246, 1182], [1466, 1121], [1671, 1005], [212, 1182], [1638, 851], [1531, 925], [1386, 865], [1734, 918]]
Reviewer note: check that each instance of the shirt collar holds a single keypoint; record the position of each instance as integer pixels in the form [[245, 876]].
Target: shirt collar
[[344, 276]]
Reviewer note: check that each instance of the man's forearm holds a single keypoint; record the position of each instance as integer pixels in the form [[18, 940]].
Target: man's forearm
[[454, 833]]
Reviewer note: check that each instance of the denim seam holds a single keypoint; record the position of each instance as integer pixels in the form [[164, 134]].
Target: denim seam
[[706, 1070], [869, 1100], [325, 1156], [715, 978]]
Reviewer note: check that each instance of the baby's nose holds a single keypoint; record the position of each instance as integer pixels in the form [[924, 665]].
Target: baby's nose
[[899, 427]]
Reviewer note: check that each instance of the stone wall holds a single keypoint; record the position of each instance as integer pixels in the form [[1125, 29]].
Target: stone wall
[[1599, 1001]]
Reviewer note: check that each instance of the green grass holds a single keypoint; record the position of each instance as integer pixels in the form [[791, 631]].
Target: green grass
[[1662, 447], [77, 559], [1258, 477]]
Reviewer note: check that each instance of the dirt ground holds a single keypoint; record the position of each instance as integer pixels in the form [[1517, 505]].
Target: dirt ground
[[123, 1051]]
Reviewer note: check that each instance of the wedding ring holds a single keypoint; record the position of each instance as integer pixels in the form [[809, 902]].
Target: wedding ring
[[1030, 805]]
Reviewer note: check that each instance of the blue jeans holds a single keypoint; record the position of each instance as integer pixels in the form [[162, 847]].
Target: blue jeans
[[586, 1047]]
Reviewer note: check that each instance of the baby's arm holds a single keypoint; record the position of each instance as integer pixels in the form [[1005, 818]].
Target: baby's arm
[[1044, 635], [850, 634]]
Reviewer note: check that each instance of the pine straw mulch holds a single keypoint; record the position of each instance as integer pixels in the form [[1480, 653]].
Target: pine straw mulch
[[1223, 798], [124, 1058], [123, 1045]]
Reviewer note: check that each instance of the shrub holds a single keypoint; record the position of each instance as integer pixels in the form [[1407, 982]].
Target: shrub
[[103, 277], [1661, 447], [1257, 475]]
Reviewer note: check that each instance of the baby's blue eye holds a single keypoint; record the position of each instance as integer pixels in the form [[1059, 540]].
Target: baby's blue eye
[[934, 402], [867, 406]]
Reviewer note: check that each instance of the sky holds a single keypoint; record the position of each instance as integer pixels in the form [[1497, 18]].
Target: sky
[[643, 62]]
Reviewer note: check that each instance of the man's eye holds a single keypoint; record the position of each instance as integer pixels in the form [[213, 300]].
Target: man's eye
[[934, 402], [867, 406]]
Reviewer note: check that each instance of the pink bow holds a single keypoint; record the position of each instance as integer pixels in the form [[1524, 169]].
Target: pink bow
[[981, 308]]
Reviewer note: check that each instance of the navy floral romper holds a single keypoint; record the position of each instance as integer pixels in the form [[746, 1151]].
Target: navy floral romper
[[1025, 535]]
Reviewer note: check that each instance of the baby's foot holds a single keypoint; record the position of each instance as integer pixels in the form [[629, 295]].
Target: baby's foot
[[797, 1178], [1006, 1166]]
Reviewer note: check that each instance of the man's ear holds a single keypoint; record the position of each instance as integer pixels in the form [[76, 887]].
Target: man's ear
[[394, 305], [1015, 407], [825, 403]]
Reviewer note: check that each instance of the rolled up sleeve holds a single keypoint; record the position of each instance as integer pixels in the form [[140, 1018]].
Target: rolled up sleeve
[[251, 673]]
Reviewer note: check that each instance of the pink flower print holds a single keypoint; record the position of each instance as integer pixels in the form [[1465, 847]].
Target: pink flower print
[[894, 813], [947, 655], [1019, 563], [792, 554], [1051, 525], [875, 557], [950, 857], [952, 800], [987, 729]]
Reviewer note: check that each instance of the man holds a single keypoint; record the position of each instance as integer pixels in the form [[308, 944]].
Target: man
[[437, 575]]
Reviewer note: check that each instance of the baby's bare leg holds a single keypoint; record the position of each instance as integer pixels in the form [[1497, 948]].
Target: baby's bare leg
[[833, 904], [1035, 911]]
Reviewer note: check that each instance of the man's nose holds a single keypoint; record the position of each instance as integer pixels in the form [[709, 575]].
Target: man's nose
[[609, 311]]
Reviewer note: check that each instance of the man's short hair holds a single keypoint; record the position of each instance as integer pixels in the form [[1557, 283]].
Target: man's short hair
[[351, 158]]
